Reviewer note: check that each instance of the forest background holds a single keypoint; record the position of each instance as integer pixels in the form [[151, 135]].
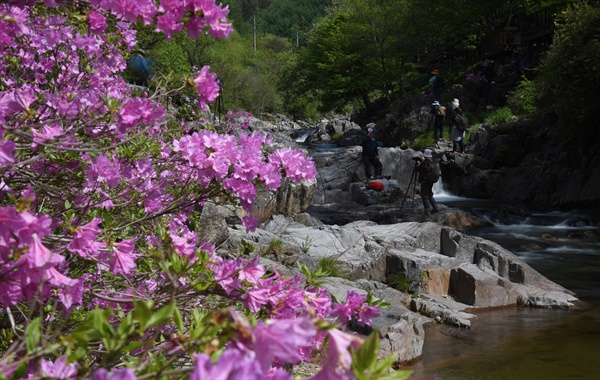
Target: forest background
[[303, 58]]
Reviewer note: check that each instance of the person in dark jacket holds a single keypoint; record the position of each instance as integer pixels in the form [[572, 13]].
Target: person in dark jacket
[[438, 113], [427, 171], [437, 84], [138, 64], [371, 155]]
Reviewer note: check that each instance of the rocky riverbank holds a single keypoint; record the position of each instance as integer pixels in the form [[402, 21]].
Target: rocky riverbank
[[428, 268]]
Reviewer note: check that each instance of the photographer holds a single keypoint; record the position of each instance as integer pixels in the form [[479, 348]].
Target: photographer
[[429, 174], [371, 155]]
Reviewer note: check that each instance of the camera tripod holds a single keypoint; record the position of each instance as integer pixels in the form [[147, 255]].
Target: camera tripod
[[412, 182]]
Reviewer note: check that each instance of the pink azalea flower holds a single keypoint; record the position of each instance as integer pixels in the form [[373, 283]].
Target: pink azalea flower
[[115, 374], [355, 300], [46, 133], [255, 299], [71, 294], [250, 222], [321, 301], [41, 257], [367, 314], [21, 99], [251, 271], [169, 24], [226, 275], [85, 242], [97, 22], [230, 365], [59, 369], [123, 260], [338, 364], [342, 312], [281, 339], [103, 169], [10, 290], [207, 86], [7, 152]]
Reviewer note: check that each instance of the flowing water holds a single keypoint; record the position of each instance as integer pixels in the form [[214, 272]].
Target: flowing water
[[519, 343]]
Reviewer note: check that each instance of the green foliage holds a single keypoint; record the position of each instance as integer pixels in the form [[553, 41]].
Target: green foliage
[[522, 101], [276, 247], [246, 247], [399, 281], [305, 246], [291, 18], [500, 116], [569, 79], [170, 59], [330, 266], [313, 278], [366, 364], [424, 140]]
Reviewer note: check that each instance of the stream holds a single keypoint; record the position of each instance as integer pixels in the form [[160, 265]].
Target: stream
[[519, 343], [523, 343]]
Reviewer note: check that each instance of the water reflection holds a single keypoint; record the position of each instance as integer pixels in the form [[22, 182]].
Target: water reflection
[[527, 343]]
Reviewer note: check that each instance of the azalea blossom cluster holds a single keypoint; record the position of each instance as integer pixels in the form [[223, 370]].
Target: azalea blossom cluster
[[97, 202]]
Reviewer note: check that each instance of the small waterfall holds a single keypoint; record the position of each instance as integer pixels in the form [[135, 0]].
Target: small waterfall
[[302, 135]]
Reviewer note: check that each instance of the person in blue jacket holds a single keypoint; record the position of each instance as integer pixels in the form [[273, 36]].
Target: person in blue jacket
[[138, 64], [371, 155]]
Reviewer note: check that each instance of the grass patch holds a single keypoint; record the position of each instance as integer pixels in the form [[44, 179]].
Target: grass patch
[[424, 140], [500, 116], [330, 266], [400, 281]]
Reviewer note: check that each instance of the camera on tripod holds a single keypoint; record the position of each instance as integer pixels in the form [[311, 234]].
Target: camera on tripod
[[417, 159]]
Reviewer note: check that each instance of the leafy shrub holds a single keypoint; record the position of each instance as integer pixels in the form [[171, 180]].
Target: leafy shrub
[[522, 101], [500, 116], [569, 79]]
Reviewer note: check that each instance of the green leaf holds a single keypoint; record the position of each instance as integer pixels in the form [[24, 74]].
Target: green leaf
[[134, 345], [142, 311], [147, 317], [178, 319], [20, 371], [368, 351], [161, 316], [126, 327], [33, 335]]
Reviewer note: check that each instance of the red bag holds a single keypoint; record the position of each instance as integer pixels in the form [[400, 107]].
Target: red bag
[[375, 185]]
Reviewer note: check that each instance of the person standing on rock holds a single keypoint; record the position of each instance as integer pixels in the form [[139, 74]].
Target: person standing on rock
[[438, 113], [371, 155], [429, 174], [452, 106], [459, 126], [437, 84]]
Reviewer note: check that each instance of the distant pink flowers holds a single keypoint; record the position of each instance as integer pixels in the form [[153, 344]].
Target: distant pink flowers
[[207, 86], [355, 305]]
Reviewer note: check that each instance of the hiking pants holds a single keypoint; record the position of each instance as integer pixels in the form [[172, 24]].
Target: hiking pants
[[372, 160], [427, 196]]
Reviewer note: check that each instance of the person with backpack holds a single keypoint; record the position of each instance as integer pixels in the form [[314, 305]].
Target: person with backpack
[[138, 64], [438, 113], [459, 126], [437, 84], [429, 174], [371, 155]]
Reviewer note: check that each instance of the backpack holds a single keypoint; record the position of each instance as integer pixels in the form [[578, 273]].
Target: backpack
[[433, 174], [462, 123], [439, 82], [441, 111], [375, 185]]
